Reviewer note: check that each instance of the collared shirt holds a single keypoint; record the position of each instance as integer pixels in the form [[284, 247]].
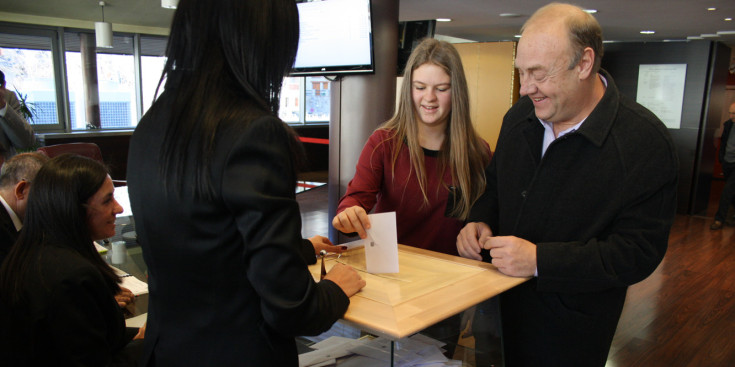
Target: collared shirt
[[549, 127], [4, 109], [14, 217]]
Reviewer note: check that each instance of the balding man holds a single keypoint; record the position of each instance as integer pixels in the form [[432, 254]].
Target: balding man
[[16, 176], [581, 196]]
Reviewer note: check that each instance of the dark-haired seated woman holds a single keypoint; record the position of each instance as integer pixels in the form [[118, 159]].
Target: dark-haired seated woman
[[57, 295]]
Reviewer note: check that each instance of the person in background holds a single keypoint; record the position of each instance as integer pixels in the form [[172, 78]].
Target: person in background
[[726, 155], [57, 299], [581, 196], [16, 131], [16, 176], [212, 184], [426, 163]]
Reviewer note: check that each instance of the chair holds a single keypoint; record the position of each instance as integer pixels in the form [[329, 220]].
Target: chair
[[90, 150]]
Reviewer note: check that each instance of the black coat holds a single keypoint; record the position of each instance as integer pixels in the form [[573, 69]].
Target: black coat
[[599, 206], [69, 317], [726, 127], [228, 283]]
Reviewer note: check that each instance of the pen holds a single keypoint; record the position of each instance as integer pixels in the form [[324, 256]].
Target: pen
[[323, 253]]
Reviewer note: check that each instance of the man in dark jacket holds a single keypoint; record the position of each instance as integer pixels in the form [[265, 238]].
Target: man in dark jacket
[[581, 195], [15, 183], [727, 159]]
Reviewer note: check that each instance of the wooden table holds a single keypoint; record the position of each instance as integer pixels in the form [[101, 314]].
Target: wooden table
[[429, 288]]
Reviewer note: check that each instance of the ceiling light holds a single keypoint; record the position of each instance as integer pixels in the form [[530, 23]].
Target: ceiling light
[[517, 36], [711, 9], [509, 15], [648, 32], [103, 30], [708, 35], [169, 4], [694, 38], [723, 33], [591, 11], [728, 19], [443, 19]]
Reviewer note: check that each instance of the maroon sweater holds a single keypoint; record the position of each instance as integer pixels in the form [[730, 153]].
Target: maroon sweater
[[375, 186]]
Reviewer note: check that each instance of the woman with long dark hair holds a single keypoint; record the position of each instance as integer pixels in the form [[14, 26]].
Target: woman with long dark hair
[[57, 293], [212, 184]]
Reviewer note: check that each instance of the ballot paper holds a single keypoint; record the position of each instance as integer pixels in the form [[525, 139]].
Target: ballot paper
[[381, 245]]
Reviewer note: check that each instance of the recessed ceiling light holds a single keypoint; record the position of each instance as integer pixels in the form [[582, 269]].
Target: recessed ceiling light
[[517, 36], [694, 38], [509, 15], [711, 9], [728, 19], [443, 19], [591, 11], [648, 32], [708, 35], [725, 32]]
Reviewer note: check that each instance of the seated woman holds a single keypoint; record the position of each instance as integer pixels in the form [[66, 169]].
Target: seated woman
[[57, 295]]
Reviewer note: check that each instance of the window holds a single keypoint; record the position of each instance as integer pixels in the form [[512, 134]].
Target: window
[[36, 60], [26, 58], [113, 91], [305, 100]]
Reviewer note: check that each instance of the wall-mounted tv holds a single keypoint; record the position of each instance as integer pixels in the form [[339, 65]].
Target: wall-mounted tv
[[336, 37]]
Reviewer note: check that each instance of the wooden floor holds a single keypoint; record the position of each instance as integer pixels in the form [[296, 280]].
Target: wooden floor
[[682, 315]]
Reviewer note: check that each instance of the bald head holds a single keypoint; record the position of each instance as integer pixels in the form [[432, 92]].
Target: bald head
[[579, 29]]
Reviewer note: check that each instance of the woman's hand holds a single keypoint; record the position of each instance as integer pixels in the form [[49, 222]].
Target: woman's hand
[[346, 278], [323, 243], [352, 219], [125, 297]]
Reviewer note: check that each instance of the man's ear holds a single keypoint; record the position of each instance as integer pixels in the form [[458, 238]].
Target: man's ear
[[586, 63], [21, 189]]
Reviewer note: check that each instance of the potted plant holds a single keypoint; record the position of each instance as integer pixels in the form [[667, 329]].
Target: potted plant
[[27, 109]]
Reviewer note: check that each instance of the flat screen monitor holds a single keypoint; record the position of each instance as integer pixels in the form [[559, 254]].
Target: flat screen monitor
[[336, 37]]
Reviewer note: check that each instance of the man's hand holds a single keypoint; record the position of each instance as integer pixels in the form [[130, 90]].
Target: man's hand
[[512, 255], [468, 244]]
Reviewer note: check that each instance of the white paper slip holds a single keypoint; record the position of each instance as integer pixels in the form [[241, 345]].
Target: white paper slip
[[381, 246], [137, 321]]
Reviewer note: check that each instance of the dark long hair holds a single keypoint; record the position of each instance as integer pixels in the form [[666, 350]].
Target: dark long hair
[[224, 58], [56, 215]]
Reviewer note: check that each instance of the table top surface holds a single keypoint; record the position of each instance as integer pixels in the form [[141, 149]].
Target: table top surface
[[429, 287]]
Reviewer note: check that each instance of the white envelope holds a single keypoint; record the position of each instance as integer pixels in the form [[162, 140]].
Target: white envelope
[[381, 245]]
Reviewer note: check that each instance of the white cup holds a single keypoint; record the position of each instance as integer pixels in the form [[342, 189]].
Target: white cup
[[119, 251]]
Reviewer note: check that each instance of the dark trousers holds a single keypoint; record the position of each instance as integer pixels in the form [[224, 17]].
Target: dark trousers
[[728, 192]]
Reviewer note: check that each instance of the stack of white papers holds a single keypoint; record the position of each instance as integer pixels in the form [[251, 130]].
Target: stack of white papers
[[135, 285], [415, 351]]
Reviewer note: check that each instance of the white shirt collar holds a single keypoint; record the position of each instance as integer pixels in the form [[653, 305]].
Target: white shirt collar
[[549, 127], [14, 217]]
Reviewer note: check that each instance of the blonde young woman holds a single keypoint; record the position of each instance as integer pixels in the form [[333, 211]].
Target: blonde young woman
[[427, 162]]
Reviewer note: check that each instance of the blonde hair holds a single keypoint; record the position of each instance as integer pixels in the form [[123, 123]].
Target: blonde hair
[[462, 150]]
